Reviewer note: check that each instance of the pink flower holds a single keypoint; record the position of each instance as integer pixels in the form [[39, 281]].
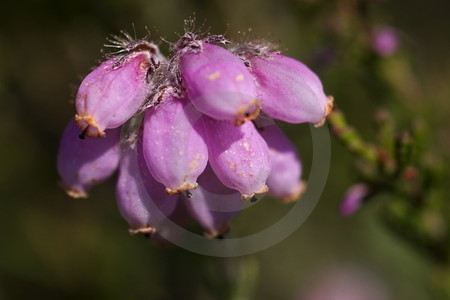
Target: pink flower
[[173, 148], [192, 106], [284, 180], [114, 91], [287, 89], [385, 41], [213, 205], [218, 83], [83, 163], [239, 156], [141, 200], [353, 199]]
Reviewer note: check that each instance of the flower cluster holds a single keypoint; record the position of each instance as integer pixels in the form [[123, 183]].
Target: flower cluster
[[195, 130]]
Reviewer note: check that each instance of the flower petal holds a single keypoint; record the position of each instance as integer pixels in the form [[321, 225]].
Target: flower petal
[[385, 41], [353, 199], [219, 85], [132, 197], [213, 205], [289, 90], [284, 179], [142, 200], [83, 163], [238, 155], [175, 152], [111, 94]]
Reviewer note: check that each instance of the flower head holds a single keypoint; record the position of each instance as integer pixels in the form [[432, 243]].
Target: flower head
[[196, 135]]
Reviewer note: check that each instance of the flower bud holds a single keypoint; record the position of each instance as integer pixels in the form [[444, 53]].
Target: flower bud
[[288, 90], [285, 178], [142, 212], [385, 41], [213, 205], [354, 198], [83, 163], [174, 151], [219, 85], [113, 92], [238, 155]]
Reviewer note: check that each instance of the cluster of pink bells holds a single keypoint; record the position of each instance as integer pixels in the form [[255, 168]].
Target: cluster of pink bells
[[194, 130]]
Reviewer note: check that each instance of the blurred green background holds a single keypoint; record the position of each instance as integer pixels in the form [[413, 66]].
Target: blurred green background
[[55, 247]]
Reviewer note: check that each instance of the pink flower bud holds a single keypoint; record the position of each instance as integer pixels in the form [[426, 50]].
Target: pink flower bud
[[385, 41], [143, 212], [354, 198], [175, 152], [238, 155], [285, 178], [83, 163], [213, 205], [289, 90], [113, 93], [218, 84]]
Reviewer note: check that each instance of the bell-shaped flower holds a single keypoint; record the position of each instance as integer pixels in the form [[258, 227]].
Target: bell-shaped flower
[[113, 92], [213, 205], [85, 162], [238, 155], [218, 84], [288, 90], [284, 180], [174, 150], [354, 198], [385, 41], [142, 211]]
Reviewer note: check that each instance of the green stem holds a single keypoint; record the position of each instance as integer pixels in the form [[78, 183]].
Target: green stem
[[351, 138]]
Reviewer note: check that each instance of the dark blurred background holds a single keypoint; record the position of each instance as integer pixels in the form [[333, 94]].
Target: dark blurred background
[[55, 247]]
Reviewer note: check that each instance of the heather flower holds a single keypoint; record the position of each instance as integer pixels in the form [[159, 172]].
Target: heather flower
[[114, 91], [238, 155], [287, 89], [217, 82], [155, 189], [83, 163], [354, 198], [142, 211], [190, 108], [173, 148], [385, 41], [213, 205], [284, 180]]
